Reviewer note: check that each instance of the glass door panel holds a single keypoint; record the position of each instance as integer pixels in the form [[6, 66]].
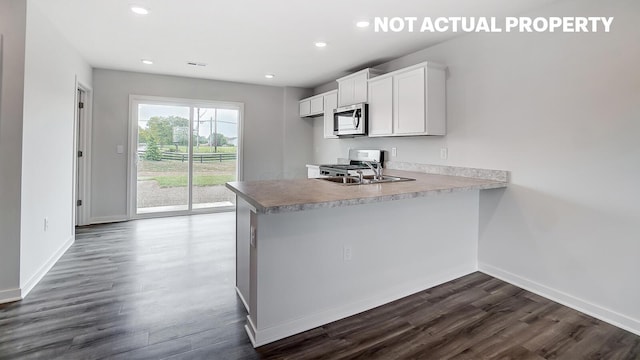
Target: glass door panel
[[214, 143], [162, 164]]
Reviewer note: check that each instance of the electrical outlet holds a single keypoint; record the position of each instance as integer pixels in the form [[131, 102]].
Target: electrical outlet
[[347, 253], [394, 152], [444, 153], [46, 224]]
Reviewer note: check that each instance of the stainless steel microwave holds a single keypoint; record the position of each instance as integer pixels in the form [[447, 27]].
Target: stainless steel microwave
[[349, 121]]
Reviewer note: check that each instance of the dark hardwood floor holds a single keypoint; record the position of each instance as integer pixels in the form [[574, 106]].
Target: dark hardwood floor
[[164, 289]]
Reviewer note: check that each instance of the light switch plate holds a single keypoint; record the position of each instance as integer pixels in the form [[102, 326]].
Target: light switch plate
[[120, 149], [444, 153], [347, 253]]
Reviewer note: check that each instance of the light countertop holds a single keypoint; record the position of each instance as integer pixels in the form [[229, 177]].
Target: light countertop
[[274, 196]]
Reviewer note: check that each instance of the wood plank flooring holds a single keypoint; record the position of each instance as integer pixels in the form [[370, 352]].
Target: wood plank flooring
[[164, 289], [474, 317]]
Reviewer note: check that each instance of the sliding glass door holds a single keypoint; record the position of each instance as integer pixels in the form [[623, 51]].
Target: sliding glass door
[[162, 173], [185, 152], [215, 144]]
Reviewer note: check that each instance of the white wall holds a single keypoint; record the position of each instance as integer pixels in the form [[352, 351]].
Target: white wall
[[51, 68], [562, 113], [264, 137], [297, 135], [12, 32]]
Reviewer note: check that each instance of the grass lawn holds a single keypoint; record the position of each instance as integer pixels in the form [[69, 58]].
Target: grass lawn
[[219, 167], [170, 173], [198, 180]]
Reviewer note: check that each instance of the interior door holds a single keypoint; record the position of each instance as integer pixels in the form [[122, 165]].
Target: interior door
[[79, 163]]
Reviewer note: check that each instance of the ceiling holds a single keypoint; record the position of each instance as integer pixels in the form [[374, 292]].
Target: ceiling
[[242, 40]]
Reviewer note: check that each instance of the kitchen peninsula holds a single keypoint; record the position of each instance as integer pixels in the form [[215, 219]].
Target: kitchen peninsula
[[310, 251]]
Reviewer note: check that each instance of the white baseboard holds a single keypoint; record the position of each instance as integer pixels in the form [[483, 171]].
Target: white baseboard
[[598, 312], [44, 269], [107, 219], [11, 295], [251, 331], [261, 337], [246, 305]]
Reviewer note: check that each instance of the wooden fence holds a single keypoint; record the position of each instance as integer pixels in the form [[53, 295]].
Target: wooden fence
[[201, 157]]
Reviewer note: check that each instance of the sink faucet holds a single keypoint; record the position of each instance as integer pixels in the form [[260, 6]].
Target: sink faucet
[[377, 169]]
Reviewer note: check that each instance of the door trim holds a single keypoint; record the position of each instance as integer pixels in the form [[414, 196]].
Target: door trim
[[82, 141], [132, 140]]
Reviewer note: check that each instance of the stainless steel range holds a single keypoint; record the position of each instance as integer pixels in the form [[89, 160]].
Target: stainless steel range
[[358, 160]]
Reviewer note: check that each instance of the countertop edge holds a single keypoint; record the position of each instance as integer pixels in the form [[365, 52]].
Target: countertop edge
[[359, 201], [259, 208]]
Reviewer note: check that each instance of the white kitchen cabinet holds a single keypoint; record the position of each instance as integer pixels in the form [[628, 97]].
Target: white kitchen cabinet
[[409, 98], [360, 88], [317, 105], [408, 102], [381, 107], [312, 106], [321, 104], [330, 103], [352, 89], [305, 107]]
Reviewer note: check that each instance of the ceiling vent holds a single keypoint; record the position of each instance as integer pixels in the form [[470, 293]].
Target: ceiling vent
[[193, 63]]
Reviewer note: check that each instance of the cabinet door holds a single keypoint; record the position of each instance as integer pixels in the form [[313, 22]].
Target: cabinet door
[[381, 107], [317, 104], [409, 102], [345, 92], [360, 88], [330, 103], [305, 108]]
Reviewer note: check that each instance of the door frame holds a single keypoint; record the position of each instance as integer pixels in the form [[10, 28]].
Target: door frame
[[82, 141], [132, 152]]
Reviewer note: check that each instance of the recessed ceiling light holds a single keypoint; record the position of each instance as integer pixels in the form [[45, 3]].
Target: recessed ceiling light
[[139, 10], [321, 44], [269, 76], [362, 24], [147, 62]]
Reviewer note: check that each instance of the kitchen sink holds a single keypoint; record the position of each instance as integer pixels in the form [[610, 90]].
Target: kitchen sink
[[369, 179], [346, 180]]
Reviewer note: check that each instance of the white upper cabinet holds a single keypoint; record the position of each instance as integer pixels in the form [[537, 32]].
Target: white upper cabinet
[[346, 93], [409, 101], [360, 88], [352, 89], [312, 106], [409, 98], [321, 104], [317, 105], [381, 107], [330, 103], [305, 107]]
